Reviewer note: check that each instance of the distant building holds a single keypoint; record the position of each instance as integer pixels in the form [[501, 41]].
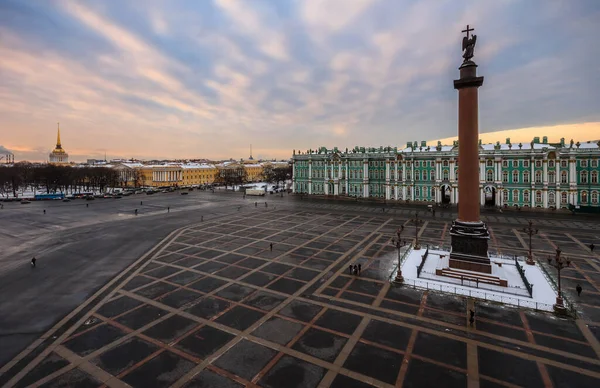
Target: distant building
[[58, 155], [536, 174]]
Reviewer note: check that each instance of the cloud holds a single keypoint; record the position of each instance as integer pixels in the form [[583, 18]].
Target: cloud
[[206, 79]]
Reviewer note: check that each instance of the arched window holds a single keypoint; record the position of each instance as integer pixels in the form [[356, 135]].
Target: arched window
[[445, 163], [551, 197], [526, 196], [490, 175], [417, 175], [538, 196], [505, 176], [445, 173], [563, 177], [432, 175], [583, 177], [432, 192], [515, 196], [551, 163], [417, 192], [563, 197], [584, 197], [505, 195], [526, 177], [551, 177], [538, 177], [515, 177], [594, 197], [489, 163], [594, 176]]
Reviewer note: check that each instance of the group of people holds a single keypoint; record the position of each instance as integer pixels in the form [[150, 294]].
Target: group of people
[[355, 269]]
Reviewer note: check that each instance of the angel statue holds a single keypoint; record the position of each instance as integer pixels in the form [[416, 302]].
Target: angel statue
[[468, 45]]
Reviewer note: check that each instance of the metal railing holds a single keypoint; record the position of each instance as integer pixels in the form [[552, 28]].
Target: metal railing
[[423, 258], [524, 278]]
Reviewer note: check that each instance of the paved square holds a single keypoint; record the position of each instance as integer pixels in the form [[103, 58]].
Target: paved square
[[217, 307]]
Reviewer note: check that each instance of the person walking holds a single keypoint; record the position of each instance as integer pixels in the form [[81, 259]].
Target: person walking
[[87, 205], [136, 212], [355, 269], [271, 247], [266, 205], [201, 218], [592, 247], [168, 209], [433, 213], [350, 268], [255, 204], [472, 317], [359, 269], [44, 211], [578, 289], [33, 262], [141, 203]]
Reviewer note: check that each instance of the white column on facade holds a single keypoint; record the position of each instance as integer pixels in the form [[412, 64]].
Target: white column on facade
[[347, 177], [387, 180], [572, 171], [545, 195], [532, 197], [404, 174], [545, 171], [452, 172], [481, 170], [310, 177], [481, 196]]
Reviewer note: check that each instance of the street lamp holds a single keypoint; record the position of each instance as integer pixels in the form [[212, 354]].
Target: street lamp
[[559, 263], [530, 231], [397, 242], [417, 222]]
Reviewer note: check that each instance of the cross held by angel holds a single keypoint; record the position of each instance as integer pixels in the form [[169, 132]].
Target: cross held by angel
[[468, 44]]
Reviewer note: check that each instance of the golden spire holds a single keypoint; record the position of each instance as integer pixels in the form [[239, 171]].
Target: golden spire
[[58, 145]]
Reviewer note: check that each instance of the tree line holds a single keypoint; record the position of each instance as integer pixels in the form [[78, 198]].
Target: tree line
[[48, 178], [237, 175]]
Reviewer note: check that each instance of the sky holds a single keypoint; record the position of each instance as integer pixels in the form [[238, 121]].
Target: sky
[[205, 79]]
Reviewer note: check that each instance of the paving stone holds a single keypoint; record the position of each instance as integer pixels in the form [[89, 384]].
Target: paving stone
[[445, 317], [400, 307], [303, 274], [259, 279], [161, 371], [565, 378], [278, 330], [251, 263], [339, 321], [499, 313], [141, 316], [73, 378], [446, 302], [501, 330], [405, 294], [124, 356], [207, 284], [567, 346], [316, 264], [211, 267], [425, 374], [287, 286], [184, 277], [365, 287], [509, 368], [178, 298], [264, 300], [230, 258], [330, 291], [136, 282], [118, 306], [209, 254], [549, 324], [94, 339], [429, 345], [235, 292], [340, 281], [208, 307], [387, 334], [374, 362], [302, 311], [276, 268], [293, 373], [320, 344], [155, 290], [204, 341], [360, 298], [245, 359], [170, 329], [342, 381], [190, 262], [240, 317], [209, 379]]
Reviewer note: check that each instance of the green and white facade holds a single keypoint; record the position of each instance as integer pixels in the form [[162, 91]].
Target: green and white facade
[[538, 174]]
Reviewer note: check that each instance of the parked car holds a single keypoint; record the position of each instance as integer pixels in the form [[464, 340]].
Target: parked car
[[24, 201], [184, 193], [66, 200], [90, 198]]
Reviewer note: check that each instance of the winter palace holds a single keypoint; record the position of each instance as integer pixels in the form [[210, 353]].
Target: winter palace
[[538, 174]]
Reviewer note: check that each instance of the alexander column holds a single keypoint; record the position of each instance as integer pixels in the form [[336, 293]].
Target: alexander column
[[469, 235]]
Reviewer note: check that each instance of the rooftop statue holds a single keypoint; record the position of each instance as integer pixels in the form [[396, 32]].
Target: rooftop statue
[[468, 44]]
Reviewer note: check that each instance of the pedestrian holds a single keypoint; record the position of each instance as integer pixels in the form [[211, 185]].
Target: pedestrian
[[87, 205], [355, 269], [350, 268], [44, 211], [266, 205], [592, 247], [472, 317], [201, 218], [359, 268], [433, 213], [136, 212], [141, 203], [168, 209], [578, 289], [33, 262], [271, 247], [255, 204]]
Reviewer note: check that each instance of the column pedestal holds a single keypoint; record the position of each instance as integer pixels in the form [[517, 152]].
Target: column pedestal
[[470, 246]]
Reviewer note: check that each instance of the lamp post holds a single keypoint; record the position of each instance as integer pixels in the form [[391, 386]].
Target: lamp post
[[530, 231], [417, 222], [397, 242], [559, 263]]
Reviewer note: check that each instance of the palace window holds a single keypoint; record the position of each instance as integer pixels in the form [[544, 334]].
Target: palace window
[[584, 163], [432, 175], [445, 163], [584, 197], [515, 163], [594, 197], [551, 163], [526, 196], [563, 163], [515, 177], [408, 175], [505, 163], [504, 195], [551, 177], [594, 163], [551, 197], [594, 176], [538, 177], [417, 175], [526, 163], [490, 175], [515, 196], [538, 196], [563, 177], [433, 192], [489, 163], [417, 192], [563, 197], [583, 177], [417, 164], [505, 176], [538, 163]]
